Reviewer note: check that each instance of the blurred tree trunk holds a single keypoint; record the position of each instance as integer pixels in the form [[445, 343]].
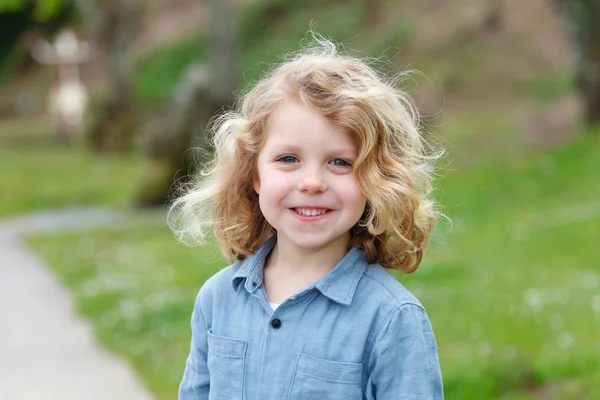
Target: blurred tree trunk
[[93, 19], [112, 122], [582, 19], [204, 90], [372, 11]]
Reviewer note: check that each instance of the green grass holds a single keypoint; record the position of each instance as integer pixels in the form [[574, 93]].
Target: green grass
[[471, 136], [39, 173], [547, 87], [512, 288]]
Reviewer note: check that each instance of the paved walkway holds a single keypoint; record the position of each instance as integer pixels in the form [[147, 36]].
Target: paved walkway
[[46, 351]]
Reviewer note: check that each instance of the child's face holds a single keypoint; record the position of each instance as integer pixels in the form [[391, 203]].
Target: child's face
[[307, 187]]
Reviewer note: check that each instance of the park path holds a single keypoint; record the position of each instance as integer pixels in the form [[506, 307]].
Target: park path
[[46, 350]]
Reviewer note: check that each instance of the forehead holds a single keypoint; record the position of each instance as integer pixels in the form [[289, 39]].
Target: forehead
[[294, 124]]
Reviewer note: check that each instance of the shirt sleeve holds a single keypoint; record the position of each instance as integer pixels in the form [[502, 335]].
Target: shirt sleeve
[[195, 384], [404, 361]]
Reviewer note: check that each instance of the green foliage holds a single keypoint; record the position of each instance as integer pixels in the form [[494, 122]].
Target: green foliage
[[340, 22], [160, 72], [48, 9], [261, 41], [12, 5], [391, 39], [261, 17], [44, 10], [7, 56]]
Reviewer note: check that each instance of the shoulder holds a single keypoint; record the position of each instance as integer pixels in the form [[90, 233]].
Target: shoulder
[[402, 344], [390, 304], [397, 317], [386, 288]]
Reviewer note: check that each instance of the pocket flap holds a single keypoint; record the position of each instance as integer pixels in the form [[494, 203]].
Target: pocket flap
[[335, 371], [225, 346]]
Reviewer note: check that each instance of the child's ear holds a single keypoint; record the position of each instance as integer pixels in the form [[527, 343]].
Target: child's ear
[[256, 184]]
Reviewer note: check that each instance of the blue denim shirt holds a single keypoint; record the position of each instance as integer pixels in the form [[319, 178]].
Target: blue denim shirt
[[355, 334]]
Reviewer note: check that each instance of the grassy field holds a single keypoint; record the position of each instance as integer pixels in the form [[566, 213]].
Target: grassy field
[[512, 287], [34, 180], [37, 172]]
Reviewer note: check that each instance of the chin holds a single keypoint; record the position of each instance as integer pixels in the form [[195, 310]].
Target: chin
[[309, 242], [310, 245]]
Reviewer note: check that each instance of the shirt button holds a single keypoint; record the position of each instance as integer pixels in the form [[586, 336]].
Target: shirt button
[[276, 324]]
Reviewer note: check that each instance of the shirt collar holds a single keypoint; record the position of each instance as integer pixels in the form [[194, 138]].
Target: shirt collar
[[251, 270], [339, 284]]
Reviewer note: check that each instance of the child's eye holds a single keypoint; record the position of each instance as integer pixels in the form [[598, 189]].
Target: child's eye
[[338, 162], [287, 159]]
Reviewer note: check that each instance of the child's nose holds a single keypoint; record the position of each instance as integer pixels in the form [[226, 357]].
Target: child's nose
[[312, 181]]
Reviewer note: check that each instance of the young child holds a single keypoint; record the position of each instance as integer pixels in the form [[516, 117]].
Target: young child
[[320, 181]]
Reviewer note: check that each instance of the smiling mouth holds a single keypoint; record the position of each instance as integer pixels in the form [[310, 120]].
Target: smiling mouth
[[311, 212]]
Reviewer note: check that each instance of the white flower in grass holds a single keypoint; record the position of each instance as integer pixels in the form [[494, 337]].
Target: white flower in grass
[[589, 280], [564, 340], [129, 308], [484, 349], [534, 298], [509, 353]]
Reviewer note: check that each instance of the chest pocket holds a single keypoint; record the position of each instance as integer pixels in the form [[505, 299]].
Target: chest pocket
[[317, 378], [226, 359]]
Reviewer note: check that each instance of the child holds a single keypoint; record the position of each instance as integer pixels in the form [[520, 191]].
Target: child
[[319, 183]]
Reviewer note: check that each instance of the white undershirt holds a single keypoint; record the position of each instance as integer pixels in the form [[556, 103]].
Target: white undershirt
[[274, 306]]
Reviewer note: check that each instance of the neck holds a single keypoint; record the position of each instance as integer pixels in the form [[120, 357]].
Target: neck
[[286, 256]]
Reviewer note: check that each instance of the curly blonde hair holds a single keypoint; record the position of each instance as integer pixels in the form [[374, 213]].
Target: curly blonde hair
[[394, 166]]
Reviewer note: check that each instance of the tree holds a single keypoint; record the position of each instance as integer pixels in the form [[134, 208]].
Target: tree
[[113, 26], [581, 18], [204, 90], [373, 10]]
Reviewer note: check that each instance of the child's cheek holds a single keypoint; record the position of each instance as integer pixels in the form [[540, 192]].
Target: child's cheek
[[351, 189]]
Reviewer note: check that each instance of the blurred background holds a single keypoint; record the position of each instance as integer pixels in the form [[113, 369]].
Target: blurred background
[[102, 103]]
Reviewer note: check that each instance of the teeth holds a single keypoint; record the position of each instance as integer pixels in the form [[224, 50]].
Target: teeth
[[310, 212]]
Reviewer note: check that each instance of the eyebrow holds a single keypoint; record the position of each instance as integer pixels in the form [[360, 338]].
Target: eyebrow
[[283, 148]]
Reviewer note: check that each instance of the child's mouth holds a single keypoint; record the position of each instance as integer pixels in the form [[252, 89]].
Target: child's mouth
[[311, 213]]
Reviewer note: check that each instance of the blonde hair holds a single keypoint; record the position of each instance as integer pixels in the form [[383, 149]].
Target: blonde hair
[[393, 168]]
